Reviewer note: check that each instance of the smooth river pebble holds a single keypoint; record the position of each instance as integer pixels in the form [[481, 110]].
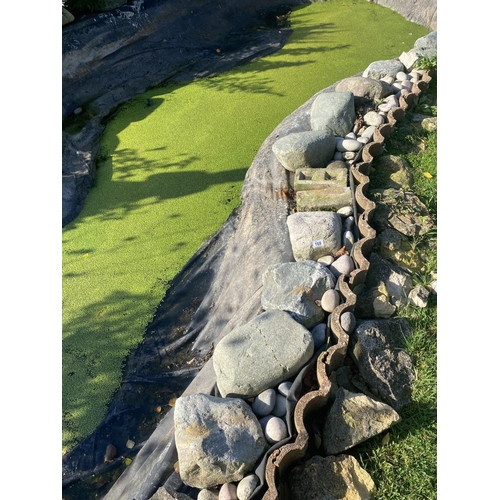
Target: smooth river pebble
[[343, 265], [264, 403], [279, 409], [284, 387], [247, 486], [330, 300], [228, 492], [274, 429]]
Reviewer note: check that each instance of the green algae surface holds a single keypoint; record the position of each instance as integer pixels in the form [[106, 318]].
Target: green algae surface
[[173, 164]]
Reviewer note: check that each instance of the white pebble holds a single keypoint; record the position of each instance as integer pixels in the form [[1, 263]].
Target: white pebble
[[275, 429], [247, 486], [343, 265], [401, 76], [228, 492], [347, 211], [327, 260], [348, 240], [388, 79]]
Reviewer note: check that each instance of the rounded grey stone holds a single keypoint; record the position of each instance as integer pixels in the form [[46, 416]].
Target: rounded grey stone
[[338, 156], [344, 145], [373, 118], [264, 403], [207, 495], [333, 111], [407, 85], [348, 322], [279, 409], [368, 132], [348, 240], [347, 211], [284, 387], [379, 69], [319, 335], [329, 301], [401, 76], [348, 224], [228, 492], [363, 140], [343, 265], [274, 429], [247, 486], [351, 135]]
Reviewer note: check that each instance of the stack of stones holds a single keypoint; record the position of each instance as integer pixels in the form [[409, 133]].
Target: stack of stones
[[221, 440]]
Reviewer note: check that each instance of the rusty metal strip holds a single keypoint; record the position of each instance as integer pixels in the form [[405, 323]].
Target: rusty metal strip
[[331, 359]]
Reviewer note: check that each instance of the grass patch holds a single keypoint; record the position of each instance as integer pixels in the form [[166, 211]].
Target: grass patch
[[173, 170], [406, 467]]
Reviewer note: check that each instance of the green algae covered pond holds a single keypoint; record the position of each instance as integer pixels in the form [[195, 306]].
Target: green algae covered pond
[[173, 161]]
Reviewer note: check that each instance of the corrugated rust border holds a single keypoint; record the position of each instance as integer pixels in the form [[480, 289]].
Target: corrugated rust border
[[332, 358]]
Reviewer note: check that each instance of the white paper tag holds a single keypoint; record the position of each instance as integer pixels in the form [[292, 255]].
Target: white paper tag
[[318, 243]]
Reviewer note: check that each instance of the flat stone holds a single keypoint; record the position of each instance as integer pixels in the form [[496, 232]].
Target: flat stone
[[354, 418], [409, 59], [218, 440], [310, 149], [326, 199], [259, 355], [295, 287], [330, 478], [314, 234], [333, 111]]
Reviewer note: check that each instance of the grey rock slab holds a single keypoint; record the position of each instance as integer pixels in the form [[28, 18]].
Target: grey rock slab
[[218, 440], [310, 149], [247, 486], [330, 478], [333, 111], [259, 355], [354, 418], [378, 349], [314, 234], [368, 88], [295, 287], [379, 69]]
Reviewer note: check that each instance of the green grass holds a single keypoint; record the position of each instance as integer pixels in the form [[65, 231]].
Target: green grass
[[170, 175], [406, 467]]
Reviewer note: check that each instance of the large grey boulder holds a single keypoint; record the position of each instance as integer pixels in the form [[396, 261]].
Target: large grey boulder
[[267, 350], [218, 440], [352, 419], [330, 478], [368, 88], [378, 350], [297, 287], [310, 149], [333, 111], [426, 46], [379, 69], [314, 234]]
